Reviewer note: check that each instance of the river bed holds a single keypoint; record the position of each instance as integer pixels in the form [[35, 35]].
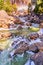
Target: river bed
[[18, 35]]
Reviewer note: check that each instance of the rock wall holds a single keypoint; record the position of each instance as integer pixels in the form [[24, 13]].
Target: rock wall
[[20, 1]]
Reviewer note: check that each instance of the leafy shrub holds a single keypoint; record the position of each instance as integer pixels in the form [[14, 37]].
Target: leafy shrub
[[14, 7], [39, 6], [7, 6], [1, 4]]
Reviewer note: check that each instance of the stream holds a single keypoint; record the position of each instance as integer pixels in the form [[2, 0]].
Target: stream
[[19, 59]]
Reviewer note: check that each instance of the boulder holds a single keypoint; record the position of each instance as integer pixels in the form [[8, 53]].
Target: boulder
[[37, 58], [3, 14], [5, 19], [22, 48], [36, 47], [33, 36]]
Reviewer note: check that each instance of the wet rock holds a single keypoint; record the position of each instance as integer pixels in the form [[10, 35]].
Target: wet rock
[[33, 36], [41, 17], [36, 47], [41, 37], [17, 21], [1, 50], [19, 27], [37, 58], [28, 24], [12, 26], [41, 25], [33, 18], [22, 48]]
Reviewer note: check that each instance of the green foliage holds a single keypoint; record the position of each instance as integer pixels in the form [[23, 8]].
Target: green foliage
[[7, 6], [14, 7], [8, 2], [39, 2], [39, 6], [1, 4]]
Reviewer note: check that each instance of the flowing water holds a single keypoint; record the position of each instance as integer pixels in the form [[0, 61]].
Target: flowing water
[[19, 59]]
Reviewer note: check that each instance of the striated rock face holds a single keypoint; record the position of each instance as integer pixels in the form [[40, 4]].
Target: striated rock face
[[20, 1], [3, 14], [5, 19]]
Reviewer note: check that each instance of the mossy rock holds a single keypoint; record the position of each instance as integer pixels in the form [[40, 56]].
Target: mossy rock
[[33, 29]]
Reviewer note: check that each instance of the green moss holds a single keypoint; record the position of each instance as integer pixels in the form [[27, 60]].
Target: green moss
[[33, 29]]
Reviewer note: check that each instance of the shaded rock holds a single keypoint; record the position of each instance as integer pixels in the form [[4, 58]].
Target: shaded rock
[[22, 48], [1, 50], [37, 58], [17, 21], [12, 26], [41, 16], [19, 27], [33, 18], [36, 47], [33, 36], [28, 24]]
